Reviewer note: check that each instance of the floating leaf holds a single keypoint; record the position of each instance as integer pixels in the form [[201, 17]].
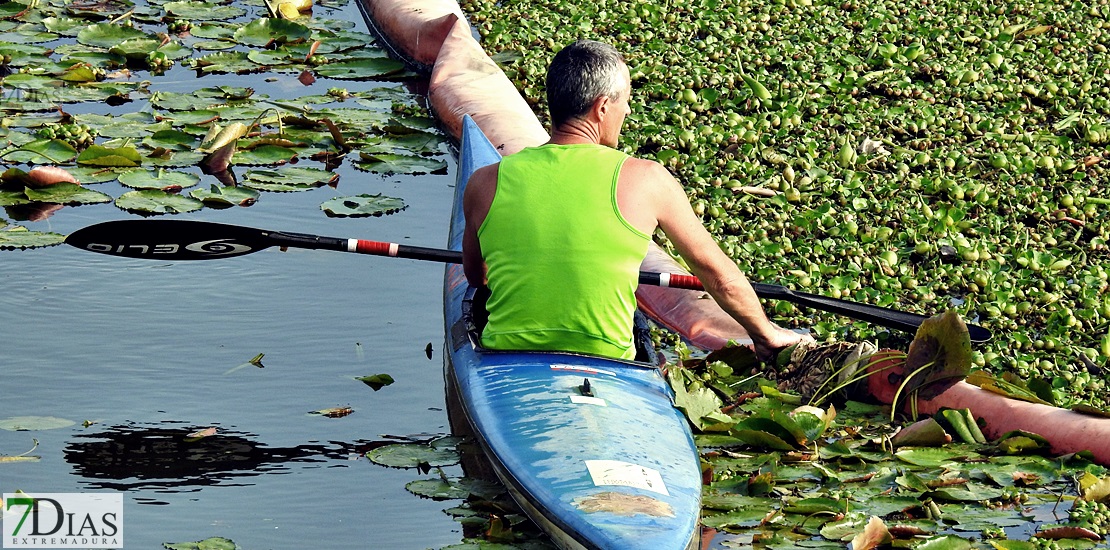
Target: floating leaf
[[43, 151], [362, 69], [226, 62], [106, 35], [171, 139], [923, 433], [334, 412], [34, 423], [66, 193], [452, 488], [1094, 488], [873, 535], [203, 11], [97, 155], [200, 434], [139, 49], [225, 196], [21, 238], [157, 179], [265, 155], [22, 458], [265, 31], [154, 201], [385, 163], [362, 206], [213, 543], [289, 179], [412, 455], [931, 457], [376, 381]]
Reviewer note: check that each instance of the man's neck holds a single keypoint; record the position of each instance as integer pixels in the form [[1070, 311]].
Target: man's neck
[[575, 131]]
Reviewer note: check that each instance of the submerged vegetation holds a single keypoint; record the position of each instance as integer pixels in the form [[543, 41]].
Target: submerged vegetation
[[946, 155]]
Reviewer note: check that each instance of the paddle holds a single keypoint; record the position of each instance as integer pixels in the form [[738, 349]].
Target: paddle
[[198, 240]]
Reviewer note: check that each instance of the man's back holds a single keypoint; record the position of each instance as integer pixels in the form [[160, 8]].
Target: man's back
[[561, 261]]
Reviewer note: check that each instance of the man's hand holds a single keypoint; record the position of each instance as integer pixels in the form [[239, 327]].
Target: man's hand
[[767, 348]]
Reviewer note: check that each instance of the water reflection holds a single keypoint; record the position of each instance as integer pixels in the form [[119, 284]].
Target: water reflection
[[165, 458]]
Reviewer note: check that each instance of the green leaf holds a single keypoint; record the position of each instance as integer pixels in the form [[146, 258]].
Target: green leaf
[[932, 457], [66, 193], [362, 69], [206, 11], [265, 31], [97, 155], [157, 179], [225, 62], [34, 423], [21, 238], [945, 542], [225, 196], [412, 455], [107, 35], [385, 163], [376, 381], [153, 201], [362, 206], [452, 488], [212, 543], [942, 346], [42, 151]]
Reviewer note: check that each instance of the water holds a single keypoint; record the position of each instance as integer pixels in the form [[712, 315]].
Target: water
[[142, 350]]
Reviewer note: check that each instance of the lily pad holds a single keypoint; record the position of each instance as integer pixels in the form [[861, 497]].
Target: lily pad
[[453, 488], [412, 455], [362, 69], [153, 201], [66, 193], [225, 196], [157, 179], [386, 163], [376, 381], [43, 151], [288, 179], [212, 543], [226, 62], [107, 35], [203, 11], [362, 206], [98, 155], [267, 31], [34, 423], [22, 238], [265, 155]]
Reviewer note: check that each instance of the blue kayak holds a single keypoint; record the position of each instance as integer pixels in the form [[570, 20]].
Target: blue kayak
[[592, 449]]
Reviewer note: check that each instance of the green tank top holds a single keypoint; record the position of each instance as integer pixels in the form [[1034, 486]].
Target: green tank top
[[563, 264]]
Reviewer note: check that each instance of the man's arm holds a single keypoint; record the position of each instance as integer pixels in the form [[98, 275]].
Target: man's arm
[[477, 198], [717, 272]]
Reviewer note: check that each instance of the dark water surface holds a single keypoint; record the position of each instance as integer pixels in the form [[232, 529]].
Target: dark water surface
[[143, 349]]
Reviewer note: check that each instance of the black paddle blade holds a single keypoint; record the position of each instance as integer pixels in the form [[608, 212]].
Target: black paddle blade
[[169, 239]]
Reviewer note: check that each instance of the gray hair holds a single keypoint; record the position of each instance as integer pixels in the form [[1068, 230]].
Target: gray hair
[[579, 74]]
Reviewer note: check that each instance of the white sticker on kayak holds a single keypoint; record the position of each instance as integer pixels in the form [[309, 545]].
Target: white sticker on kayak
[[581, 368], [626, 474], [585, 400]]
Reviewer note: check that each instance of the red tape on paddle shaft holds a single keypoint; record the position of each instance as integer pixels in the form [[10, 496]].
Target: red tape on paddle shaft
[[376, 248], [683, 281]]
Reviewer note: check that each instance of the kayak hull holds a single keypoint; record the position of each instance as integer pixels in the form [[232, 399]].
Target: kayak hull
[[592, 449]]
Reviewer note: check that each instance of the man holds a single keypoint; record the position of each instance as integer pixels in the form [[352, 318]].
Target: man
[[558, 231]]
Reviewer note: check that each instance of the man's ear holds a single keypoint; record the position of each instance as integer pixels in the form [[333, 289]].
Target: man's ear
[[601, 107]]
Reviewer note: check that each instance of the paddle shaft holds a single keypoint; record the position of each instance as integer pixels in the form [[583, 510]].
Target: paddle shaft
[[195, 240]]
